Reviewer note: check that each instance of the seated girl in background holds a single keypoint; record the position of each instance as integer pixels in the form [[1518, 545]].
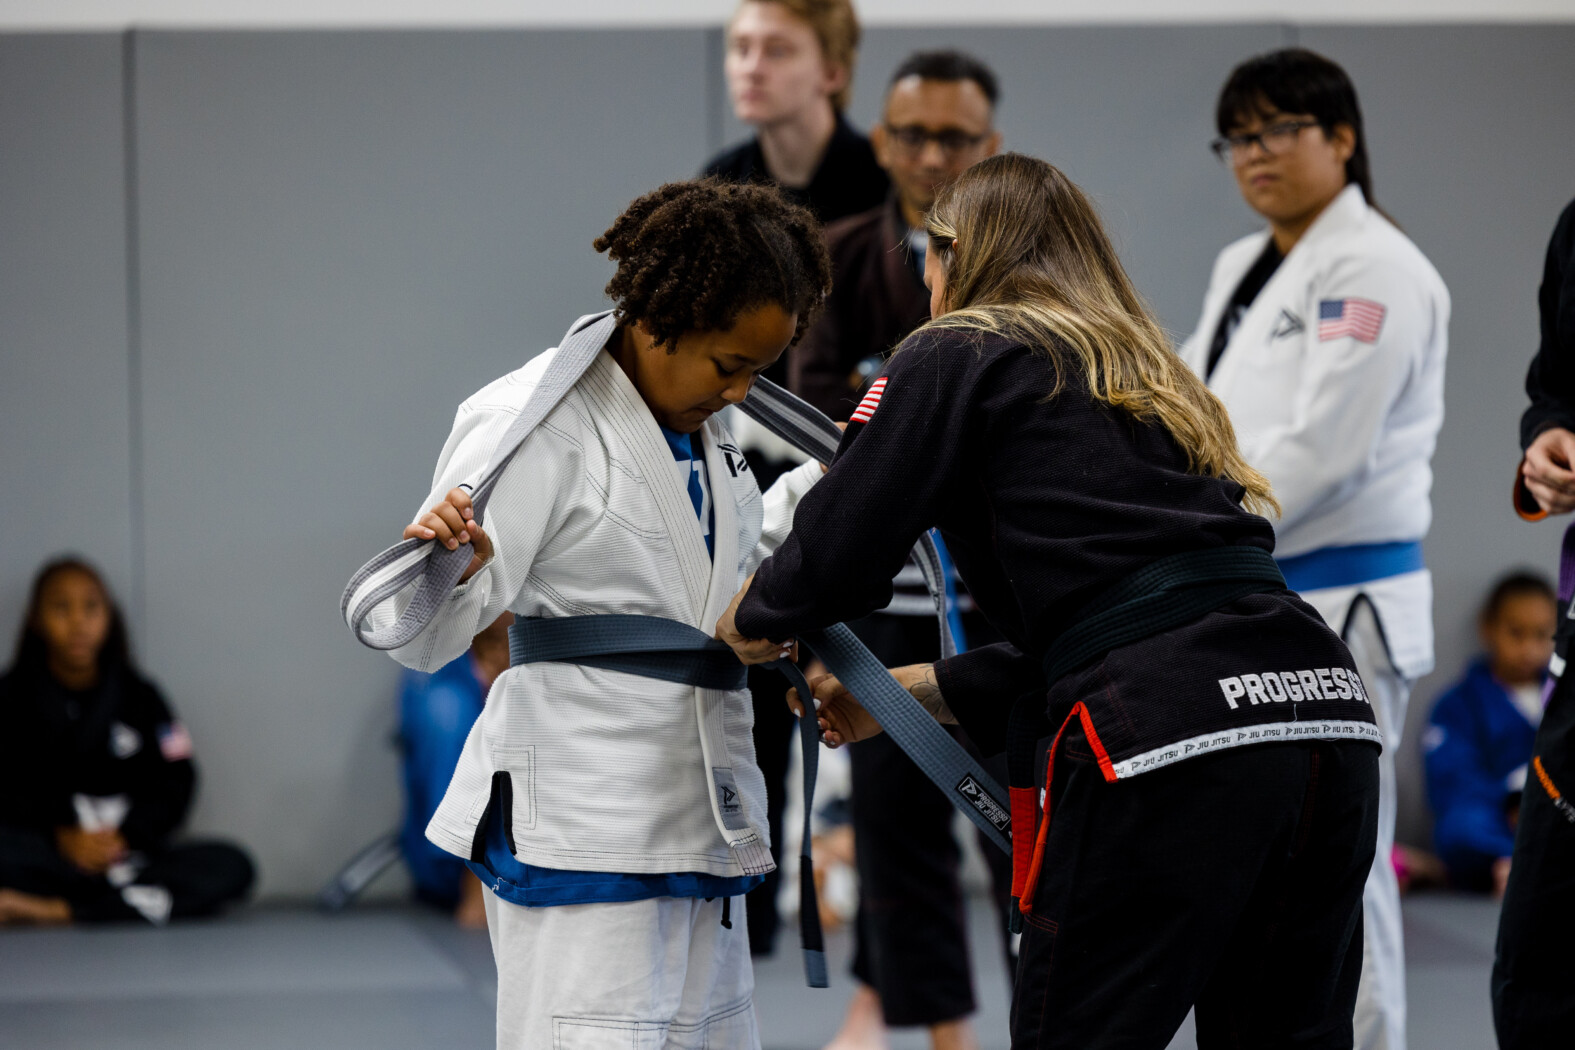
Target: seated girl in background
[[1479, 738], [96, 774]]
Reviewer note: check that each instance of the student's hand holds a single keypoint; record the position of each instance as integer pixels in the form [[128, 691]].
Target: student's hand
[[1549, 470], [91, 851], [1500, 877], [451, 523], [752, 650]]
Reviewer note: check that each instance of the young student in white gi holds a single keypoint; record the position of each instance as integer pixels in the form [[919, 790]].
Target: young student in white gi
[[1325, 337], [593, 803]]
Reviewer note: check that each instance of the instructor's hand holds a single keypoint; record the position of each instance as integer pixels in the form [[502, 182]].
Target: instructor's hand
[[1549, 470], [843, 719], [451, 523], [751, 650]]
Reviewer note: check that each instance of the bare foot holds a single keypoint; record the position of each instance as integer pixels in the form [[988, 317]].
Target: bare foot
[[21, 908], [953, 1035], [863, 1028], [471, 912]]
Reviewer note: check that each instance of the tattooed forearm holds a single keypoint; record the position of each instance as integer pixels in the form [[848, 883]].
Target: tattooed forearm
[[927, 691]]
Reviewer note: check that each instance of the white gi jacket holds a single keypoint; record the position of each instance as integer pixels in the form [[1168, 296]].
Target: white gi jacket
[[609, 771], [1343, 427]]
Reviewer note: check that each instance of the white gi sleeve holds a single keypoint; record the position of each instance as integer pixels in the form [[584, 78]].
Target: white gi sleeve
[[779, 503], [525, 510], [1334, 421]]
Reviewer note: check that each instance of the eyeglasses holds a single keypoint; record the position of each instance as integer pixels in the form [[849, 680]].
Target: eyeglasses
[[1275, 139], [952, 141]]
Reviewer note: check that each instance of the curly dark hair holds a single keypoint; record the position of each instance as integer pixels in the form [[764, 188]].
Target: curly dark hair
[[694, 255]]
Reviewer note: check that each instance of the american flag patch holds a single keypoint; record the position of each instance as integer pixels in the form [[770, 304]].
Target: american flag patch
[[1361, 319], [174, 742], [870, 403]]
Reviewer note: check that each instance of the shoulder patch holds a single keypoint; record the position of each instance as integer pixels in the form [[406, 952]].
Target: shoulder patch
[[870, 403], [174, 742], [1361, 319]]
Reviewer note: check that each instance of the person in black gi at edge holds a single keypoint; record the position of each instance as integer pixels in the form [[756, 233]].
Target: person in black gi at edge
[[1534, 963], [1213, 776]]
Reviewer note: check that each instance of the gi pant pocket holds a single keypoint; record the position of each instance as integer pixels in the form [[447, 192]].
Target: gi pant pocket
[[607, 1033], [731, 1028]]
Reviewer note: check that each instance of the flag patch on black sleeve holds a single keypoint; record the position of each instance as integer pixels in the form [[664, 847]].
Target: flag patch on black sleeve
[[870, 403]]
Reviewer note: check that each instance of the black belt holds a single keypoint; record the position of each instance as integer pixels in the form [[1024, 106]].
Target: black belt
[[1165, 594]]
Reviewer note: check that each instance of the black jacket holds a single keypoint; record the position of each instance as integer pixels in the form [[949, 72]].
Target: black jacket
[[848, 180], [876, 299], [1044, 504], [117, 738], [1551, 381]]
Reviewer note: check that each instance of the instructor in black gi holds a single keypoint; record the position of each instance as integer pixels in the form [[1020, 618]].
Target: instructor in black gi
[[1534, 966], [1210, 795]]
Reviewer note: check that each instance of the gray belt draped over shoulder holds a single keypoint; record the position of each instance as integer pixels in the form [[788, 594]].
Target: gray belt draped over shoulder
[[668, 649]]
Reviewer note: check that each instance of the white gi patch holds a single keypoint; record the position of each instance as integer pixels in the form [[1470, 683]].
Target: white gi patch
[[1276, 687], [124, 740]]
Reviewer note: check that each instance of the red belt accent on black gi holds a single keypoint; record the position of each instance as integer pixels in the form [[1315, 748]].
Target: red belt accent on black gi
[[1166, 594]]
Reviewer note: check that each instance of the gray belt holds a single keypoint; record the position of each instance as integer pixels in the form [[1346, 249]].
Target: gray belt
[[436, 571]]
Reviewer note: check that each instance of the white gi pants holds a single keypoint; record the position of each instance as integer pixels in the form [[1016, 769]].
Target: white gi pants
[[1380, 998], [658, 974]]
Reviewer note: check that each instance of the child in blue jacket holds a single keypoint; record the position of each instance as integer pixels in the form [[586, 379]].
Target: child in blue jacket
[[1479, 738]]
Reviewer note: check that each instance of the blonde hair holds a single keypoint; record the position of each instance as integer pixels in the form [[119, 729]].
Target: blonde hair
[[1026, 256], [836, 26]]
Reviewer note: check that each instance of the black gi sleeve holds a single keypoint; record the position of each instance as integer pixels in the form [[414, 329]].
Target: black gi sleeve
[[33, 791], [853, 530], [161, 777], [1551, 380], [981, 685]]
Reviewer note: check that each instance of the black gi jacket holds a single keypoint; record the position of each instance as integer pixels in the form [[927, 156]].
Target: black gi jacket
[[1551, 381], [1045, 504], [109, 740]]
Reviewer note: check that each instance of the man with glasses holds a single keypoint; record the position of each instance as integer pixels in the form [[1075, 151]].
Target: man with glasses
[[911, 957], [1325, 336], [938, 120]]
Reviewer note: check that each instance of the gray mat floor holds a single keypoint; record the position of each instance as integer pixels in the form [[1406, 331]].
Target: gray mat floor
[[394, 978]]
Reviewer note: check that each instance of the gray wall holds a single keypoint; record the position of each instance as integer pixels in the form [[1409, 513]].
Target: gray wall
[[336, 236]]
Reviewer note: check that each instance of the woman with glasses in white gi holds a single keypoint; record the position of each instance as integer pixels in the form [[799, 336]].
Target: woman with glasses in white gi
[[1325, 336]]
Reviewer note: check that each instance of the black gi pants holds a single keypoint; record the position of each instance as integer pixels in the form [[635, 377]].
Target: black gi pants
[[1534, 967], [201, 877], [912, 936], [1231, 882]]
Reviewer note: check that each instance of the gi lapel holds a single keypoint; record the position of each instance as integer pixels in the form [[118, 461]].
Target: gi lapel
[[724, 562], [631, 419]]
